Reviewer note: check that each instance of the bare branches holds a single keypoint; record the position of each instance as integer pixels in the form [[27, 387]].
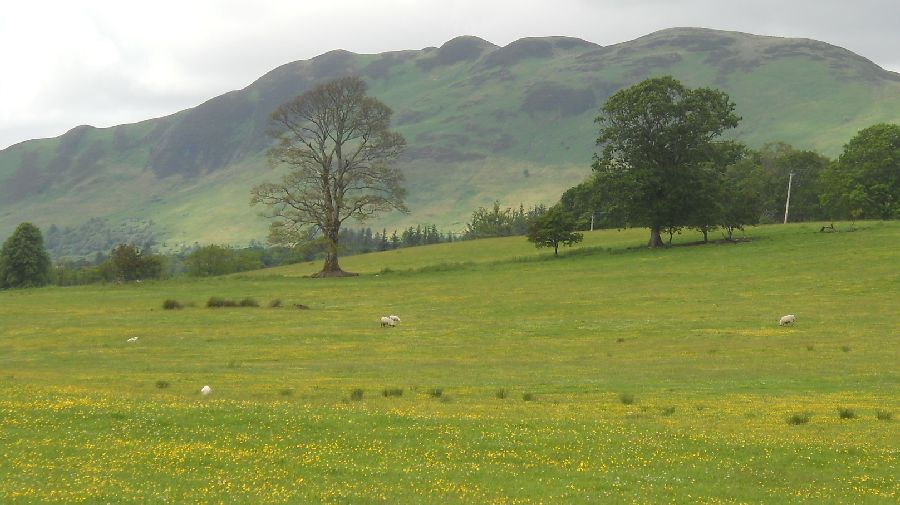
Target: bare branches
[[337, 143]]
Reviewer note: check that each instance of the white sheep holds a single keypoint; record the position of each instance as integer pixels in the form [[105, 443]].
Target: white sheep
[[394, 318], [788, 319], [133, 339], [387, 321], [205, 390]]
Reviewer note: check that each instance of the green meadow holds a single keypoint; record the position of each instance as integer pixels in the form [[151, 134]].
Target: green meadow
[[611, 374]]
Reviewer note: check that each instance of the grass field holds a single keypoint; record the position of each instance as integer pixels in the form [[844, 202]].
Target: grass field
[[613, 374]]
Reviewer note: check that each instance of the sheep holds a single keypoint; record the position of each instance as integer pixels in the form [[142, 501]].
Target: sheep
[[133, 339], [205, 390], [387, 321], [394, 318], [788, 319]]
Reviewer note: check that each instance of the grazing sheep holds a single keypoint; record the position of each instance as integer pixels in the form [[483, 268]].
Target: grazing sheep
[[387, 321], [394, 319], [788, 319], [205, 390], [133, 339]]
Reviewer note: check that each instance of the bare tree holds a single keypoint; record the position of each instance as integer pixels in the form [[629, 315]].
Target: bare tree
[[338, 145]]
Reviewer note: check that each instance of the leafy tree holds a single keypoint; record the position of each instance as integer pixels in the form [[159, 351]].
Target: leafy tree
[[211, 260], [776, 161], [657, 136], [129, 263], [740, 196], [24, 262], [338, 145], [864, 182], [553, 228], [495, 222]]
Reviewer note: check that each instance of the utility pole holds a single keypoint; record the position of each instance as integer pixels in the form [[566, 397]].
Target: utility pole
[[787, 204]]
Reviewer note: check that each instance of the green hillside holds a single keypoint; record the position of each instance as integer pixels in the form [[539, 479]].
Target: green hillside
[[612, 374], [483, 123]]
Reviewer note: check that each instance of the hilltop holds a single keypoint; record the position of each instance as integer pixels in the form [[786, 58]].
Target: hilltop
[[482, 122]]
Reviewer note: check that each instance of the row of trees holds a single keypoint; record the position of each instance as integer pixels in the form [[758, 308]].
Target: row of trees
[[663, 165]]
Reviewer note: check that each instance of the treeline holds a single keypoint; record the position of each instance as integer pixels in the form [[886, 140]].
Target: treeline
[[754, 190]]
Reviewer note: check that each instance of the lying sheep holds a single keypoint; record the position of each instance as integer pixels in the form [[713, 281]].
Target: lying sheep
[[788, 319]]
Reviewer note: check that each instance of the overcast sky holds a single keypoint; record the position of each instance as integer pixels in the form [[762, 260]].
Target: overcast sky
[[108, 62]]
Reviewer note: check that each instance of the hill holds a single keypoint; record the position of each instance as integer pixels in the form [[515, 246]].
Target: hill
[[612, 374], [483, 123]]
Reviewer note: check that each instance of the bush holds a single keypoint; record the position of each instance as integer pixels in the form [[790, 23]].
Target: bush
[[846, 413], [171, 305], [798, 419], [215, 301], [249, 302]]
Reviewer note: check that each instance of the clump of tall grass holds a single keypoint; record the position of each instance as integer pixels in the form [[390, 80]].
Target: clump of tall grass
[[274, 304], [435, 392], [172, 305], [667, 411], [248, 302], [884, 415], [798, 419], [162, 384], [845, 413], [626, 398], [356, 395], [528, 397], [501, 393], [395, 392], [215, 301]]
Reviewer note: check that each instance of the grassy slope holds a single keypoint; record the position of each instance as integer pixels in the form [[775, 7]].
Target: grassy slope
[[690, 332]]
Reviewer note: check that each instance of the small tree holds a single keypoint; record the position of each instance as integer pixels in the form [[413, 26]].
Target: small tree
[[24, 262], [129, 263], [553, 228], [338, 145]]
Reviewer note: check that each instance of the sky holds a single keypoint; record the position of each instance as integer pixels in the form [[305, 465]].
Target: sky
[[107, 62]]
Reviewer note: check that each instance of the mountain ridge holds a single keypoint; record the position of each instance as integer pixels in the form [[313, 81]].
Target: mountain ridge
[[482, 122]]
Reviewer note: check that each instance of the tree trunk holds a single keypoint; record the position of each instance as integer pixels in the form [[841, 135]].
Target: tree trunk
[[655, 237], [556, 249], [331, 267], [705, 235]]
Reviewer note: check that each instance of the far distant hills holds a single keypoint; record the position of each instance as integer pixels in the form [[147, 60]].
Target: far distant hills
[[482, 123]]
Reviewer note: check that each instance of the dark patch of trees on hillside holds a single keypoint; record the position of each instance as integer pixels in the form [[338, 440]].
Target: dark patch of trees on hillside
[[98, 235]]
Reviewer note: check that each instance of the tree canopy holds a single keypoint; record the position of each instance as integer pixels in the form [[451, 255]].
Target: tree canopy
[[658, 140], [338, 146], [864, 182], [24, 262]]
